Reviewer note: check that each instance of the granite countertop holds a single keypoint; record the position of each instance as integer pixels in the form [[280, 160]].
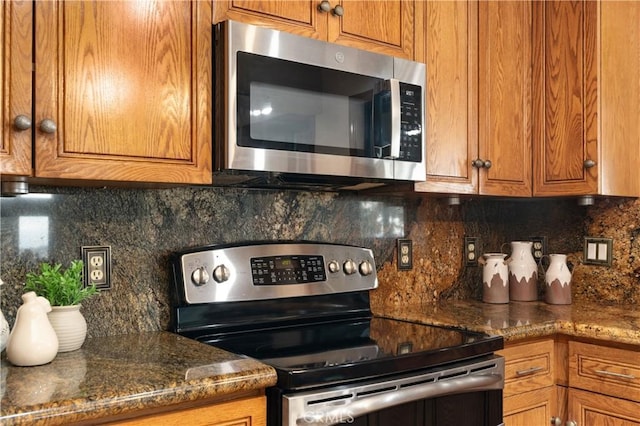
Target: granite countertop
[[521, 320], [120, 374], [125, 373]]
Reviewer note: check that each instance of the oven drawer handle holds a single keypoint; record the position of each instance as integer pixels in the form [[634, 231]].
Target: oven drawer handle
[[378, 402]]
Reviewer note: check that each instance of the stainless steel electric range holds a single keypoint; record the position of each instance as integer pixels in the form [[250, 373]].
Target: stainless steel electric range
[[303, 308]]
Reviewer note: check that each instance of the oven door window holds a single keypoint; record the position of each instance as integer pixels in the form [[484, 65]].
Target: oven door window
[[291, 106]]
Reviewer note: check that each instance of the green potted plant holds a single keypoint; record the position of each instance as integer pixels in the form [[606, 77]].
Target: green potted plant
[[64, 290]]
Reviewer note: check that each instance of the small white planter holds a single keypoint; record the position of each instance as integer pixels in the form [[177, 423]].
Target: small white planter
[[69, 325]]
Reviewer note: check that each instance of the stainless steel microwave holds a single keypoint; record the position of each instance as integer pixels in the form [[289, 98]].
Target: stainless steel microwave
[[290, 110]]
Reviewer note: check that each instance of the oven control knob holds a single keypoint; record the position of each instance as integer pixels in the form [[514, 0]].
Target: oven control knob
[[334, 266], [221, 274], [350, 267], [365, 268], [200, 276]]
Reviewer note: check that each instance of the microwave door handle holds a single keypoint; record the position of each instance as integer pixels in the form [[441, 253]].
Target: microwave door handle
[[395, 118]]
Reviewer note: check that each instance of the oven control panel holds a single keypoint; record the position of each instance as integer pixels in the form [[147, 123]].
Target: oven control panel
[[287, 269], [272, 270]]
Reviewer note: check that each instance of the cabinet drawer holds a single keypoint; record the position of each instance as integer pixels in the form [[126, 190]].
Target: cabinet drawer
[[606, 370], [528, 366]]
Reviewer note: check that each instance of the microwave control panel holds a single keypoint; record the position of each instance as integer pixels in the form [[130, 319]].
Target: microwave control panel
[[411, 122]]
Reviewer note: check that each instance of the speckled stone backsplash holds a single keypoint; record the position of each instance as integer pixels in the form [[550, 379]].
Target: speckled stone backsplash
[[437, 234], [143, 226]]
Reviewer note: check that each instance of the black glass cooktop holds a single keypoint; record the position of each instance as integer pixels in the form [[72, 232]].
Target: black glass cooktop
[[331, 352]]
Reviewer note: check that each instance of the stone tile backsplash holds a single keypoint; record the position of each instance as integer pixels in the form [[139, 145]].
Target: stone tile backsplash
[[143, 226]]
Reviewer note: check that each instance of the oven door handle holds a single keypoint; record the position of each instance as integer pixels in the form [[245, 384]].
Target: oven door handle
[[373, 403]]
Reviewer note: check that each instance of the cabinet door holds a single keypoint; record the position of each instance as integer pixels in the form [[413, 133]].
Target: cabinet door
[[244, 412], [296, 16], [16, 87], [505, 102], [587, 408], [565, 85], [536, 407], [385, 26], [452, 70], [128, 86]]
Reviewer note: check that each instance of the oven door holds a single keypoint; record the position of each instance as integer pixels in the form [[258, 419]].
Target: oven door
[[419, 399]]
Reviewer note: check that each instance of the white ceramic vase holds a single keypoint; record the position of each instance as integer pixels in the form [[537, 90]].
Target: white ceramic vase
[[32, 340], [70, 327]]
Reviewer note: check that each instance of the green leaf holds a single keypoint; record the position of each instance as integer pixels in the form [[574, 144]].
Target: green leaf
[[61, 287]]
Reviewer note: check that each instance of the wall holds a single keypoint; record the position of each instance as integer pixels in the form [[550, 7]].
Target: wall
[[144, 226]]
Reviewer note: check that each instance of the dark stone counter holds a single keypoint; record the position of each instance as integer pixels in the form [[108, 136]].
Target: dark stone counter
[[122, 374]]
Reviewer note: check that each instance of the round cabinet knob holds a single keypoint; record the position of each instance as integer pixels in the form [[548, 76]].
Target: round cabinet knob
[[200, 276], [22, 122], [366, 268], [556, 421], [350, 267], [324, 6], [334, 266], [221, 274], [477, 163], [571, 423], [48, 126], [338, 11], [589, 164], [487, 164]]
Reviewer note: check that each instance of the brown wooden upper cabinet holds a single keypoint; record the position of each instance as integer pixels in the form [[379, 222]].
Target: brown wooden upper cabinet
[[587, 126], [380, 26], [121, 91], [479, 103], [532, 98], [16, 88]]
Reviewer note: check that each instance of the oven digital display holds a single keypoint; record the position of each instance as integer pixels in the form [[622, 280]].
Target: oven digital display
[[292, 269]]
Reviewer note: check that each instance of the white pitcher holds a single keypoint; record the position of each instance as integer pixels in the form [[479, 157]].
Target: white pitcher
[[32, 340], [523, 272], [495, 279], [557, 278]]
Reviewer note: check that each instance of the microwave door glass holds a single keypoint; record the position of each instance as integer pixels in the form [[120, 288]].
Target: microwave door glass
[[290, 106]]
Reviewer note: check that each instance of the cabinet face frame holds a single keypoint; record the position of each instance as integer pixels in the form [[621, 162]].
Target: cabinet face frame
[[16, 90]]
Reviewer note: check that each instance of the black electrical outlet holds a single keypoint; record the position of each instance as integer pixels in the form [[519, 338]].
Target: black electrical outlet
[[405, 254]]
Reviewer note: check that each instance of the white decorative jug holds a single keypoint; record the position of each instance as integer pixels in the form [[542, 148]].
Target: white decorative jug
[[32, 340], [495, 279], [523, 272], [557, 278]]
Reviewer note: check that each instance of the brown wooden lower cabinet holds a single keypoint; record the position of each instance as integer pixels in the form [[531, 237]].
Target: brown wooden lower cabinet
[[559, 380], [242, 412], [536, 407], [530, 396], [590, 408]]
